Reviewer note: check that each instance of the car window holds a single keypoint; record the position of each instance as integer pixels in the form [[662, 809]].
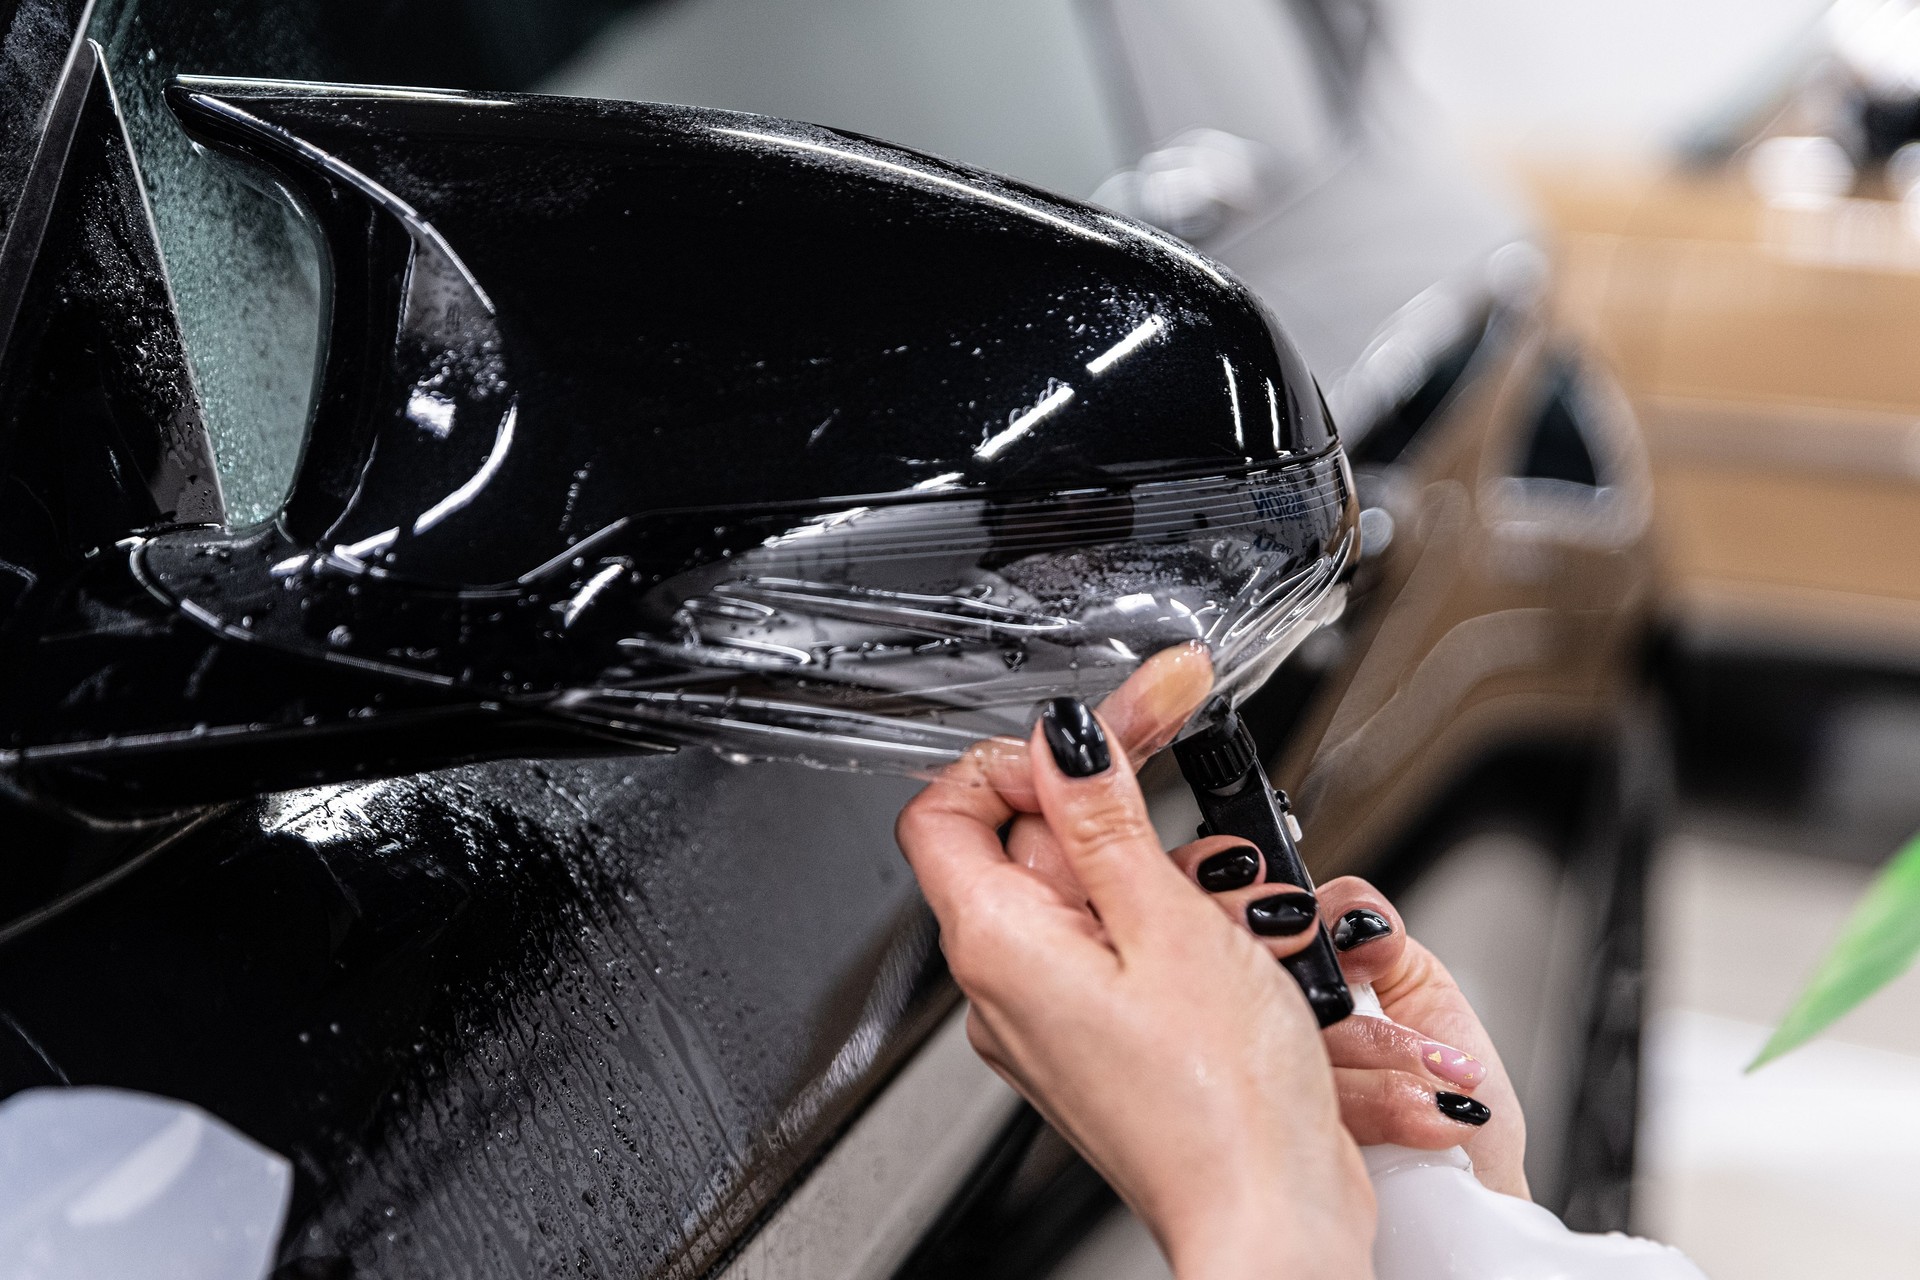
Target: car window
[[1010, 85], [1247, 67], [1556, 445], [245, 273]]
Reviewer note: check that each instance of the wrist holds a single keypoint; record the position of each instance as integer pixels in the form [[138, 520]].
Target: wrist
[[1269, 1243]]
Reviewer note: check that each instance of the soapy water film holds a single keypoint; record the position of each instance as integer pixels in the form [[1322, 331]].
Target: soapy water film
[[892, 638]]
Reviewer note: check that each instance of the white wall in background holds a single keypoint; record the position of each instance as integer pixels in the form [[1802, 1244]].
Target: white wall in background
[[1619, 74]]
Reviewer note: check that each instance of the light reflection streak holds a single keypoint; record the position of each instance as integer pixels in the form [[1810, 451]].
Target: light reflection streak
[[321, 88], [1233, 398], [1168, 243], [817, 527], [938, 180], [369, 546], [497, 458], [595, 585], [1273, 412], [1024, 423], [1120, 350]]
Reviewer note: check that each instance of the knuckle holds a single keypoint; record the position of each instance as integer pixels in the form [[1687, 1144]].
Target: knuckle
[[981, 1037], [1284, 948], [972, 944], [1392, 1106], [910, 826], [1105, 826], [967, 970], [1385, 1040], [1415, 1118]]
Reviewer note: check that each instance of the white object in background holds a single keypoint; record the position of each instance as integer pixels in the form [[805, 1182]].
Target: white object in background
[[1800, 173], [98, 1183], [1437, 1222], [1195, 183]]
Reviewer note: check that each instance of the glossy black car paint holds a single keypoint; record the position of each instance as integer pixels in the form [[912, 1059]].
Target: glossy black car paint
[[570, 1019], [571, 339], [581, 1018]]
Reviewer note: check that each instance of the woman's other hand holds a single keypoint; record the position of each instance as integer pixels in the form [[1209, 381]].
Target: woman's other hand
[[1428, 1078], [1163, 1042], [1428, 1013]]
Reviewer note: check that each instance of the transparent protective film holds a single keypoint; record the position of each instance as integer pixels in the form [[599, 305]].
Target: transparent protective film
[[892, 637]]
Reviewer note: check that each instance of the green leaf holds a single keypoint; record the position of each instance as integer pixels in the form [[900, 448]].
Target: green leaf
[[1876, 946]]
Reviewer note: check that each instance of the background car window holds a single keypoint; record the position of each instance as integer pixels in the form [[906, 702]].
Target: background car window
[[1556, 447], [1243, 66], [1010, 85]]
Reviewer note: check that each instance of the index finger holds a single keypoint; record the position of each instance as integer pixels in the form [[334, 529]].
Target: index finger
[[1094, 808]]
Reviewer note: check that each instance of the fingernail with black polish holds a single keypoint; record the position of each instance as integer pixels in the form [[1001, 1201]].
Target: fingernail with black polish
[[1079, 745], [1282, 915], [1458, 1106], [1359, 927], [1234, 868]]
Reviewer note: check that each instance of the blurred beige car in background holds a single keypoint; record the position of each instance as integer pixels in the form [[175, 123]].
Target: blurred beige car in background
[[1760, 302], [1756, 293]]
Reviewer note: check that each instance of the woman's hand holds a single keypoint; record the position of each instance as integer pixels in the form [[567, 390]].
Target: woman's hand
[[1429, 1078], [1163, 1042], [1451, 1046]]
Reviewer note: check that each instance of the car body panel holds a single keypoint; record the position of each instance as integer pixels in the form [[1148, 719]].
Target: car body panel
[[586, 1018], [1495, 614]]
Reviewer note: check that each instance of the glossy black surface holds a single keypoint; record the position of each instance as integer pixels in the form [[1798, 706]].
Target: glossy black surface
[[1282, 915], [1078, 743], [579, 1019], [1359, 927], [1458, 1106], [577, 348], [1229, 869]]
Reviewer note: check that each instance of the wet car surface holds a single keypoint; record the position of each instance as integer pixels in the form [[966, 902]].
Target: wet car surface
[[601, 1016]]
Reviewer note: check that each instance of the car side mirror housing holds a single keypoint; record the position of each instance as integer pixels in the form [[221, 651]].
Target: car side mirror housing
[[642, 426]]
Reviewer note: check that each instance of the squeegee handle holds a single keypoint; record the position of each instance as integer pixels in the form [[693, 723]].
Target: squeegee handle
[[1223, 767]]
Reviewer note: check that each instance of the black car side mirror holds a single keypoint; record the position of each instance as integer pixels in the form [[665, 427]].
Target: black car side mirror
[[642, 426]]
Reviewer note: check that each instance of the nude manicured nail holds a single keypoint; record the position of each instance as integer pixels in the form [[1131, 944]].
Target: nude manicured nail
[[1182, 677], [1452, 1065]]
